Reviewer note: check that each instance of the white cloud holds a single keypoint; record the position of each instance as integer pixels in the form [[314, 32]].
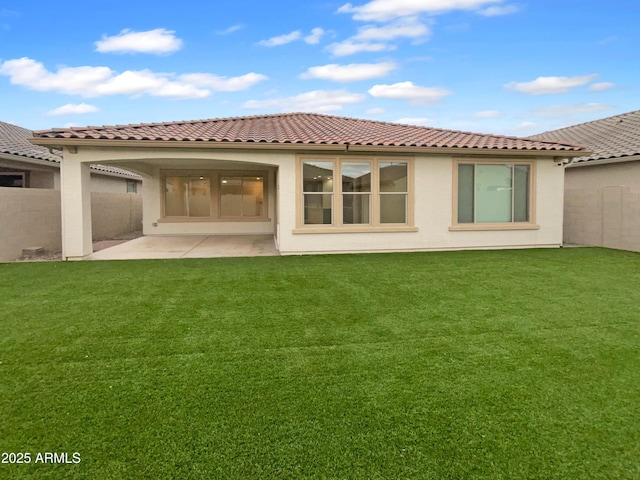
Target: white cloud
[[139, 82], [73, 109], [420, 121], [99, 81], [374, 38], [69, 80], [567, 110], [488, 114], [383, 10], [353, 72], [498, 10], [375, 111], [231, 29], [224, 84], [281, 39], [315, 101], [348, 47], [416, 94], [550, 85], [315, 36], [156, 41], [601, 87], [407, 27]]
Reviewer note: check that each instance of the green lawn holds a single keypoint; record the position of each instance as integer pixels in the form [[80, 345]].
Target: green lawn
[[456, 365]]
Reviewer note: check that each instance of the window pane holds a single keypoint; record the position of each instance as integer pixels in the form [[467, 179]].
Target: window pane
[[393, 208], [317, 176], [199, 197], [252, 196], [356, 177], [317, 209], [230, 196], [465, 193], [521, 193], [393, 177], [493, 193], [175, 197], [355, 209]]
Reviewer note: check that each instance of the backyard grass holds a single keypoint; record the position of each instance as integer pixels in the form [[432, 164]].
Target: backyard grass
[[455, 365]]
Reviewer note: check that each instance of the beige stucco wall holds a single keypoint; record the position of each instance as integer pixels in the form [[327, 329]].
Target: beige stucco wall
[[433, 202], [602, 205], [433, 217]]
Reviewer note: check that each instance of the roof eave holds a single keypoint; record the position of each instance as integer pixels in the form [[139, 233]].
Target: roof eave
[[604, 161], [341, 147]]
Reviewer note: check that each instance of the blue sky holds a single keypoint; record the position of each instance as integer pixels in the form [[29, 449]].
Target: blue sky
[[493, 66]]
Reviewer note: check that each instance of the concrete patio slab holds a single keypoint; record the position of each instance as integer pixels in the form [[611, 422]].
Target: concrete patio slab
[[189, 246]]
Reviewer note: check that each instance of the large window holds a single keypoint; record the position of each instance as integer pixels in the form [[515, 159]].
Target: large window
[[317, 185], [493, 193], [214, 195], [187, 196], [241, 196], [370, 192]]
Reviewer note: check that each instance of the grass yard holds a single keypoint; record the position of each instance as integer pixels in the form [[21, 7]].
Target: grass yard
[[456, 365]]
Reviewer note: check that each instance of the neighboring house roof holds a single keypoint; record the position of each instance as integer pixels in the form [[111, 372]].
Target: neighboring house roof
[[306, 129], [14, 140], [614, 137]]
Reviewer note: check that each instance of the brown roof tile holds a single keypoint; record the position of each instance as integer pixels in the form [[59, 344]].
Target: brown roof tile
[[305, 129], [607, 138]]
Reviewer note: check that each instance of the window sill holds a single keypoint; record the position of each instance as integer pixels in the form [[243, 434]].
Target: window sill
[[475, 227], [210, 220], [359, 229]]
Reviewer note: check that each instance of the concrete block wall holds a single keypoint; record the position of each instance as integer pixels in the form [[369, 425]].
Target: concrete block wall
[[602, 206], [114, 214], [30, 217], [603, 217]]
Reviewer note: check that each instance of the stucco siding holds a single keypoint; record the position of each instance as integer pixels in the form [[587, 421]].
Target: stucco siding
[[433, 218], [433, 192]]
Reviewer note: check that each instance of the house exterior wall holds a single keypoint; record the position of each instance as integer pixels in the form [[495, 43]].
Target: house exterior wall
[[433, 218], [109, 184], [602, 205], [47, 175], [433, 192], [40, 179]]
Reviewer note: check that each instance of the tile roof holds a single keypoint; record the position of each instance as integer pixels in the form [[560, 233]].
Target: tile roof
[[14, 140], [608, 138], [304, 129]]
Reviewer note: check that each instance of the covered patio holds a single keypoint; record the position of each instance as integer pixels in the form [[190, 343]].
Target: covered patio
[[189, 246]]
